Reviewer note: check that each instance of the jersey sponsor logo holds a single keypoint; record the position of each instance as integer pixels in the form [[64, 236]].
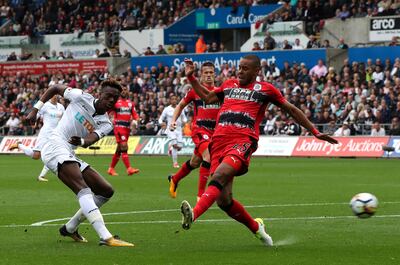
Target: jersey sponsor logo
[[201, 104], [245, 94], [237, 119], [85, 123]]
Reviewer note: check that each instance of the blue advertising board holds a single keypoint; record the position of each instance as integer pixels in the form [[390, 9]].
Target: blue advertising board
[[363, 54], [394, 142], [224, 18], [309, 57], [183, 31]]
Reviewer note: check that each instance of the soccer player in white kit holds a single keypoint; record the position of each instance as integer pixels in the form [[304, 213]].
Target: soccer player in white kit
[[175, 136], [51, 113], [84, 122]]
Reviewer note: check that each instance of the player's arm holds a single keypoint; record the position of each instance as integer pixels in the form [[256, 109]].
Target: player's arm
[[84, 142], [135, 118], [301, 119], [209, 97], [162, 117], [104, 129], [48, 94], [177, 113]]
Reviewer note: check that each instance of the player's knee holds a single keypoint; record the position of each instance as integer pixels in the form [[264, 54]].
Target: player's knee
[[221, 177], [107, 191], [194, 163]]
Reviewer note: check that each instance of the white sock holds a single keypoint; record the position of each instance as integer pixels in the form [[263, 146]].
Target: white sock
[[79, 217], [174, 155], [44, 171], [27, 150], [92, 213]]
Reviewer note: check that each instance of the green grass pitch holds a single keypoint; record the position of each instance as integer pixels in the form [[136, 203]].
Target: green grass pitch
[[304, 203]]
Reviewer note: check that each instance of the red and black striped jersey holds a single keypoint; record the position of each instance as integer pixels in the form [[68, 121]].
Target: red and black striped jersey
[[124, 111], [243, 107], [205, 115]]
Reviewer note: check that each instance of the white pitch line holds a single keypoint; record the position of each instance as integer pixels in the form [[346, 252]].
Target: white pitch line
[[41, 223], [306, 218], [213, 208]]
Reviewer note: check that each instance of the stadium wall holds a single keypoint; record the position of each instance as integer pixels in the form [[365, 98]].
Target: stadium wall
[[268, 146]]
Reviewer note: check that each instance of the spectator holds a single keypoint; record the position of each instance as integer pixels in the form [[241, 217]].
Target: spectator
[[344, 130], [127, 54], [286, 45], [395, 127], [319, 70], [377, 130], [104, 54], [342, 45], [61, 56], [96, 53], [297, 45], [43, 57], [13, 124], [395, 41], [53, 56], [161, 50], [214, 47], [269, 41], [256, 46], [326, 44], [12, 57], [201, 46], [313, 43], [343, 13]]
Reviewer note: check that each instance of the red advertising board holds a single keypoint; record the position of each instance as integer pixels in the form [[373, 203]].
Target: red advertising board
[[37, 68], [7, 141], [348, 146]]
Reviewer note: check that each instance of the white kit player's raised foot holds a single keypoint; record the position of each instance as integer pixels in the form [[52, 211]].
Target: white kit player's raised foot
[[42, 179]]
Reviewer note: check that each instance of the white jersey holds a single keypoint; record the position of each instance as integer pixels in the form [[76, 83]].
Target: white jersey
[[79, 119], [51, 115], [167, 114]]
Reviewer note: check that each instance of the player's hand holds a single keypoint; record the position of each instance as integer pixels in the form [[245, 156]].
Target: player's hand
[[31, 118], [75, 140], [172, 127], [189, 67], [325, 137]]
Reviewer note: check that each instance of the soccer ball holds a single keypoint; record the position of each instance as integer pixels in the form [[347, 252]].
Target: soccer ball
[[364, 205]]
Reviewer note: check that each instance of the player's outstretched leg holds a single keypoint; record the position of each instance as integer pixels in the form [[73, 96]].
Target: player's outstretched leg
[[111, 170], [204, 173], [174, 179], [174, 154], [18, 145], [69, 173]]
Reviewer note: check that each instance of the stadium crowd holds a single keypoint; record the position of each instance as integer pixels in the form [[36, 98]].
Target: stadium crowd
[[355, 99], [38, 18]]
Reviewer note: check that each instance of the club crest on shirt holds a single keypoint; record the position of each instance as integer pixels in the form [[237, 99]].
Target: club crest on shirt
[[257, 87]]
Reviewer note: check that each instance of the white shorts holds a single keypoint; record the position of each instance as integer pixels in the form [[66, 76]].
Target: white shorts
[[55, 153], [175, 137]]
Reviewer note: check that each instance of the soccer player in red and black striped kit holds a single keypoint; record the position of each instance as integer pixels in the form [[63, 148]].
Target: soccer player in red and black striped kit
[[204, 121], [124, 113], [244, 101]]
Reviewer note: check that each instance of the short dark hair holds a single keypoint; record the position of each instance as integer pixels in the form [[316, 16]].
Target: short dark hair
[[207, 64], [254, 58], [111, 83]]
